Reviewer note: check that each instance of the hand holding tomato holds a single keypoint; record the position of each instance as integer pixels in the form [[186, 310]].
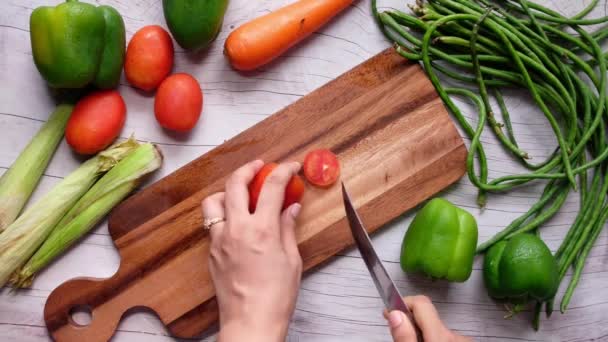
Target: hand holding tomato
[[96, 121], [254, 255], [293, 192]]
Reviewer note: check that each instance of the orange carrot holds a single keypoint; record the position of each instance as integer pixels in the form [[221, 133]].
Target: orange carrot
[[263, 39]]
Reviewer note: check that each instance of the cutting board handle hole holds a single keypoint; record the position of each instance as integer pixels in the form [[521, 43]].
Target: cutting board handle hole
[[81, 315]]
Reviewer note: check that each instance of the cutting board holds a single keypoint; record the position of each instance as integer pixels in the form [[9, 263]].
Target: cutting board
[[397, 147]]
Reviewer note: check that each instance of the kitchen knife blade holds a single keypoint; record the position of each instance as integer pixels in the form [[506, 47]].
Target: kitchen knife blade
[[385, 285]]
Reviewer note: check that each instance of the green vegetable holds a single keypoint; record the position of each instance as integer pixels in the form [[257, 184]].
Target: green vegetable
[[75, 44], [18, 183], [520, 269], [113, 56], [194, 23], [440, 242], [110, 190], [494, 45], [21, 239]]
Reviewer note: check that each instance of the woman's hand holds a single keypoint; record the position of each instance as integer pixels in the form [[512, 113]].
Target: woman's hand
[[427, 318], [255, 264]]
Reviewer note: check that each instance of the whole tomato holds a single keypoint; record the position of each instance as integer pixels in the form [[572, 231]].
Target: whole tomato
[[96, 121], [178, 103], [149, 57], [293, 192]]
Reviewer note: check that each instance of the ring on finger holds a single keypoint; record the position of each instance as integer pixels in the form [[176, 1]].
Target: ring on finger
[[210, 222]]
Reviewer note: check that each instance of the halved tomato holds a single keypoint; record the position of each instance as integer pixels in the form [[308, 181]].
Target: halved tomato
[[293, 192], [321, 168]]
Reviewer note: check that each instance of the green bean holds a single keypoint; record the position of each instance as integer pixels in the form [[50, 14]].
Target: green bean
[[457, 41], [393, 24], [559, 50], [555, 17], [475, 135], [519, 39], [581, 218], [484, 94], [508, 125], [475, 145], [547, 196], [545, 215], [542, 38], [375, 14], [531, 87], [601, 34], [435, 80], [544, 15], [460, 77], [565, 36], [561, 66], [454, 27], [506, 118], [500, 74], [575, 232], [580, 263], [569, 257], [583, 179], [586, 10]]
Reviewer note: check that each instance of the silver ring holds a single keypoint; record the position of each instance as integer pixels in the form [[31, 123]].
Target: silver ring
[[209, 222]]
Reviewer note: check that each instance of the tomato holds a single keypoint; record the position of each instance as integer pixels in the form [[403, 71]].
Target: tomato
[[321, 168], [293, 192], [96, 121], [178, 102], [149, 57]]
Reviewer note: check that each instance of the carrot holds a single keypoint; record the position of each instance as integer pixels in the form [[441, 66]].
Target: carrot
[[263, 39]]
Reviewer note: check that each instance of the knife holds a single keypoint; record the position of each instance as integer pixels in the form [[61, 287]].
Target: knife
[[384, 283]]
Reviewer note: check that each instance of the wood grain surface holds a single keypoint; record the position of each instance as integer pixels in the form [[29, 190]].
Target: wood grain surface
[[396, 144], [337, 300]]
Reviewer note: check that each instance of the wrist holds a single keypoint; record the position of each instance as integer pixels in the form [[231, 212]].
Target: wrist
[[252, 331]]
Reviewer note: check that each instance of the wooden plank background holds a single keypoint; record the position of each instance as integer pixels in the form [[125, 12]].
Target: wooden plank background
[[338, 300]]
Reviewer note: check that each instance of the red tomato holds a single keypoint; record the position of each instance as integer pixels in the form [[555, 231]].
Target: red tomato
[[293, 192], [96, 121], [321, 168], [178, 102], [149, 57]]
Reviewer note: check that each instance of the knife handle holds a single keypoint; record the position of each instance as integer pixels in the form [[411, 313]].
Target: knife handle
[[417, 330], [419, 336], [399, 304]]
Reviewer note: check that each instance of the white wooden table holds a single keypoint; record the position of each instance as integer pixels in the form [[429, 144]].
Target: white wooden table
[[337, 301]]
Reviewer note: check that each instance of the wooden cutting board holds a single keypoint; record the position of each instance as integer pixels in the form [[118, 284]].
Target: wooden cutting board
[[397, 147]]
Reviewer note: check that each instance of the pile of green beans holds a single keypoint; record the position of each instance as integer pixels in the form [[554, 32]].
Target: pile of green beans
[[492, 45]]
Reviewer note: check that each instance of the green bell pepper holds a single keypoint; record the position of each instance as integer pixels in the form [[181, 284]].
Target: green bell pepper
[[520, 269], [75, 44], [440, 242], [194, 23]]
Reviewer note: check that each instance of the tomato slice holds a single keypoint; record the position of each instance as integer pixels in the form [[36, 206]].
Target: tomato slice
[[321, 168]]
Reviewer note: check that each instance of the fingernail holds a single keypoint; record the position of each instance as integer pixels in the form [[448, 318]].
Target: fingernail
[[395, 318], [295, 210]]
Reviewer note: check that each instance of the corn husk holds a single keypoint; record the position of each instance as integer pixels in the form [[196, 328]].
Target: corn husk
[[18, 183], [21, 238], [110, 190]]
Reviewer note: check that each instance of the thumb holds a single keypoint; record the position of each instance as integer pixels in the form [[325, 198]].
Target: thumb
[[401, 328], [288, 230]]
